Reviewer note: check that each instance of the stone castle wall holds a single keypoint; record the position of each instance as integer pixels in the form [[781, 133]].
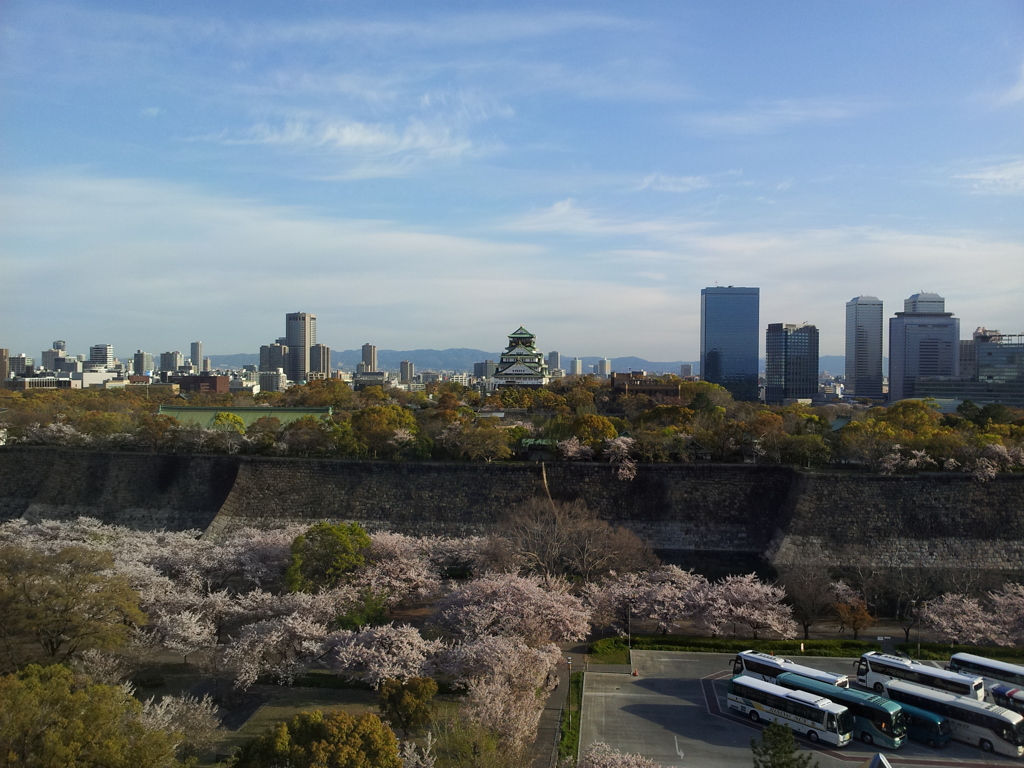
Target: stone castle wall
[[729, 514]]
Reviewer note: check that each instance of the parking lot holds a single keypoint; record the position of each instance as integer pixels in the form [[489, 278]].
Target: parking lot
[[675, 713]]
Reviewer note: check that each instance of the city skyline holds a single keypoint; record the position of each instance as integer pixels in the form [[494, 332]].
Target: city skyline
[[589, 169]]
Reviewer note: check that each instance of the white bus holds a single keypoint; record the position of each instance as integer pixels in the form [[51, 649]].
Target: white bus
[[814, 716], [993, 728], [875, 669], [768, 668], [990, 670]]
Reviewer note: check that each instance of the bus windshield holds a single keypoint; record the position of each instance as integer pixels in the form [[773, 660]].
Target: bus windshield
[[1018, 734], [845, 724], [899, 724]]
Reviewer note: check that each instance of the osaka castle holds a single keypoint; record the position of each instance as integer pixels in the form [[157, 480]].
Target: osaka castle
[[521, 364]]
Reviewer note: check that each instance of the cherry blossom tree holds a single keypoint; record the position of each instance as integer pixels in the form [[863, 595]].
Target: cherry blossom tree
[[957, 618], [600, 755], [186, 631], [527, 607], [574, 450], [278, 647], [617, 452], [1007, 618], [378, 653], [745, 601]]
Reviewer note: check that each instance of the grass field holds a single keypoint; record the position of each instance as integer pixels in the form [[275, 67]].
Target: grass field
[[569, 741]]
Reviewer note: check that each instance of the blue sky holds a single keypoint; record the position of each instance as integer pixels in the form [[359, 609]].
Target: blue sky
[[436, 174]]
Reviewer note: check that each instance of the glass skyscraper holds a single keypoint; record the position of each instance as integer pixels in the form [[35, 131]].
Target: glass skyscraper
[[729, 335], [864, 347], [791, 362]]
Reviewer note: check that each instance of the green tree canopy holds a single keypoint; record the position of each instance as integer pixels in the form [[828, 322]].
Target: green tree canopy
[[324, 554], [46, 719], [406, 705], [316, 740], [63, 602]]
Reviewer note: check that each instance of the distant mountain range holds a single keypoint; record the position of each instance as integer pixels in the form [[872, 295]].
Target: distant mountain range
[[462, 359]]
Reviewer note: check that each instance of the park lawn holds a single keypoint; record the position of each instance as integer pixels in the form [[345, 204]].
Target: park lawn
[[284, 703]]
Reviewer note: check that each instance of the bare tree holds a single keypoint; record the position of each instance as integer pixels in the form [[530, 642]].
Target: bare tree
[[567, 539], [808, 587]]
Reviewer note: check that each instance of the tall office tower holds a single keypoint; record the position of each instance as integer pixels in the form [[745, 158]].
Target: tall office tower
[[791, 362], [729, 330], [61, 345], [924, 340], [864, 347], [686, 369], [369, 358], [969, 352], [5, 364], [197, 354], [604, 368], [554, 361], [143, 363], [207, 365], [51, 357], [407, 371], [20, 364], [300, 335], [576, 367], [319, 361], [101, 355], [273, 356], [171, 361]]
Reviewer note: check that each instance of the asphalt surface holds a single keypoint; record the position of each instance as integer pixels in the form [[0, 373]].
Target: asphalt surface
[[675, 712]]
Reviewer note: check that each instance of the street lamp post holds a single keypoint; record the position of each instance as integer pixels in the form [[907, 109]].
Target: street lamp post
[[568, 660]]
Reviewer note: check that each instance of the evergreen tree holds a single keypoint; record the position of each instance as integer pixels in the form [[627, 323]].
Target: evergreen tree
[[778, 749]]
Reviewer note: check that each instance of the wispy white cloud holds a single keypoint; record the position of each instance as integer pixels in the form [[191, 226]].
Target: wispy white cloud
[[768, 117], [151, 112], [566, 217], [1014, 93], [662, 183], [1003, 179]]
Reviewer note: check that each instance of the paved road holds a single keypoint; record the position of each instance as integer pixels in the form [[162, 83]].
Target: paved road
[[675, 713]]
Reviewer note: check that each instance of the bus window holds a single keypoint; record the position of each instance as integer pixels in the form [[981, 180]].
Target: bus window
[[737, 666]]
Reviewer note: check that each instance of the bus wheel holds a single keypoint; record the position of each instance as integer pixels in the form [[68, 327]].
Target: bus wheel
[[879, 688], [813, 736], [986, 745], [754, 716], [931, 743], [866, 738]]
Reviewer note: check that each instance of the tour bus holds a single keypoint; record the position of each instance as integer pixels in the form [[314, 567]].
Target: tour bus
[[1007, 696], [990, 670], [768, 668], [927, 727], [875, 669], [814, 716], [875, 720], [993, 728]]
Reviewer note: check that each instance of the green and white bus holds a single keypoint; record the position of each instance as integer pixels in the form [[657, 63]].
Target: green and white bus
[[816, 717], [768, 668], [876, 720], [875, 669], [927, 727], [993, 728]]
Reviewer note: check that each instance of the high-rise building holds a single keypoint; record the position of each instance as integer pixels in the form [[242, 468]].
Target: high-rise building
[[101, 355], [864, 347], [319, 361], [576, 367], [207, 364], [924, 340], [369, 358], [171, 361], [21, 364], [998, 373], [554, 361], [686, 370], [729, 330], [197, 354], [604, 368], [791, 362], [300, 336], [51, 357], [143, 363], [407, 371], [273, 356], [5, 364], [61, 345]]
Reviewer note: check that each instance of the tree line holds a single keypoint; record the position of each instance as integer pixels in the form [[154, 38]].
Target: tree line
[[581, 419]]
